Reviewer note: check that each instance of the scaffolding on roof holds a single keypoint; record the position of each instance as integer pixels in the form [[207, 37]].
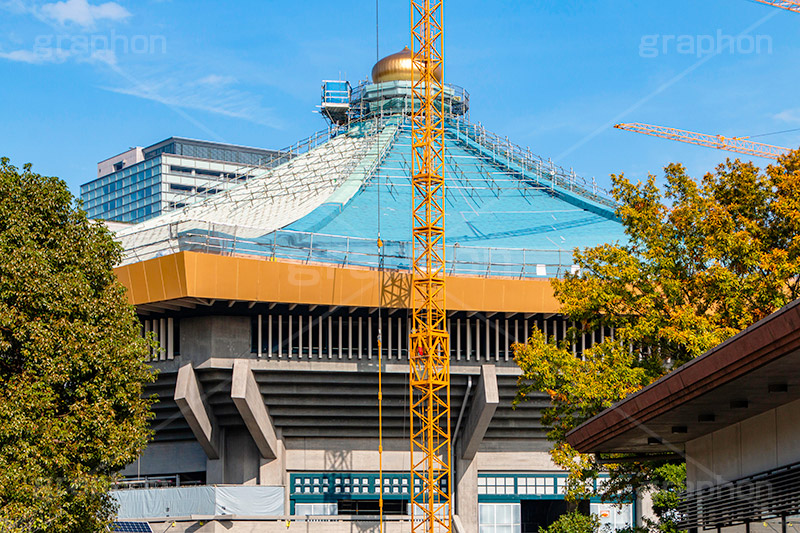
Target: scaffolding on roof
[[326, 173], [266, 202], [265, 165]]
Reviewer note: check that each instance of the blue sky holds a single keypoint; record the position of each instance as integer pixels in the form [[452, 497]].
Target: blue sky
[[86, 79]]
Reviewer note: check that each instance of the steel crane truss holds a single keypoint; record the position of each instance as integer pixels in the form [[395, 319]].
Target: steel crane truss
[[790, 5], [429, 372], [732, 144]]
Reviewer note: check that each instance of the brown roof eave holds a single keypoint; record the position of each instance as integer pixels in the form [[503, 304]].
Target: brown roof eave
[[767, 340]]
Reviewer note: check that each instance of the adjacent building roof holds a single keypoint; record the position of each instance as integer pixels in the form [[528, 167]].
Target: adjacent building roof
[[752, 372], [214, 151]]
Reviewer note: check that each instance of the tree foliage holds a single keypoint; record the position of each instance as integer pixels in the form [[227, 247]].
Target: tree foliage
[[71, 361], [574, 522], [702, 261], [668, 482]]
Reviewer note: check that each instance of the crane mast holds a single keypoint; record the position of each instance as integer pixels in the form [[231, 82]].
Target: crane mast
[[790, 5], [429, 356], [732, 144]]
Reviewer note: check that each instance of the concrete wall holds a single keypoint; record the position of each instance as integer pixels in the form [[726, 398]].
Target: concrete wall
[[131, 157], [515, 462], [239, 462], [241, 458], [345, 455], [465, 481], [214, 336], [310, 455], [760, 443], [168, 458]]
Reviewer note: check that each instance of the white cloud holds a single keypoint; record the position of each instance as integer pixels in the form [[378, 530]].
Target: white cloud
[[103, 56], [82, 13], [38, 57], [789, 115], [16, 6], [216, 79], [200, 95], [48, 55]]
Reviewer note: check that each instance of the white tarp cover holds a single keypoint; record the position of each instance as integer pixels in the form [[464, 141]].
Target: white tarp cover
[[261, 204], [185, 501]]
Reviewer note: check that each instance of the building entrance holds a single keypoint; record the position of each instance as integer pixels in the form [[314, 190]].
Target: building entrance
[[536, 514]]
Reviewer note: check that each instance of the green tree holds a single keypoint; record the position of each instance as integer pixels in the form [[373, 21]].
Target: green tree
[[573, 522], [71, 361], [702, 261], [670, 482]]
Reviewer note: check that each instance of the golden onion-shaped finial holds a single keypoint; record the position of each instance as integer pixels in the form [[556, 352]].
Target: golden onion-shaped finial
[[397, 67]]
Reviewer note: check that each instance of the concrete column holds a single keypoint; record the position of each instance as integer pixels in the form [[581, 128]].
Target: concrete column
[[273, 471], [247, 397], [215, 468], [466, 485], [194, 408], [644, 507], [481, 411]]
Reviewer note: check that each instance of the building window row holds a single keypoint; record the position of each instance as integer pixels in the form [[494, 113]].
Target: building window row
[[351, 493], [128, 200], [218, 154], [142, 189], [219, 175], [138, 215], [527, 502], [499, 517], [116, 178], [130, 213], [522, 485], [143, 180]]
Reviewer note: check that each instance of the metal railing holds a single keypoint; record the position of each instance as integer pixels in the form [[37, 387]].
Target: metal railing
[[456, 102], [153, 482], [303, 145], [522, 160], [229, 179], [306, 247], [754, 498]]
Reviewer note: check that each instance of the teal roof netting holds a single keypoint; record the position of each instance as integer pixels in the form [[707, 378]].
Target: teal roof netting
[[508, 213]]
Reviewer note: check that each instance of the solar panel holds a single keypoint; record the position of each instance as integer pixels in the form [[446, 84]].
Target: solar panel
[[131, 527]]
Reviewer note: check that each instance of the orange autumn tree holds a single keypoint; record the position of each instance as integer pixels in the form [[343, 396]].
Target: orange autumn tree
[[703, 260]]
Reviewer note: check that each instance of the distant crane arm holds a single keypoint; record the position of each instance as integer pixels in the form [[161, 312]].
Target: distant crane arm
[[791, 5], [732, 144]]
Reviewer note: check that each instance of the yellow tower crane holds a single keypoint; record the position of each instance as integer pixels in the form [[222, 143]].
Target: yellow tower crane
[[429, 354], [732, 144], [791, 5]]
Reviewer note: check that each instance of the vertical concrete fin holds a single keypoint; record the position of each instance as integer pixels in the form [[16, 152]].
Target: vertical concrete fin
[[247, 397], [457, 526], [481, 411], [191, 401]]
